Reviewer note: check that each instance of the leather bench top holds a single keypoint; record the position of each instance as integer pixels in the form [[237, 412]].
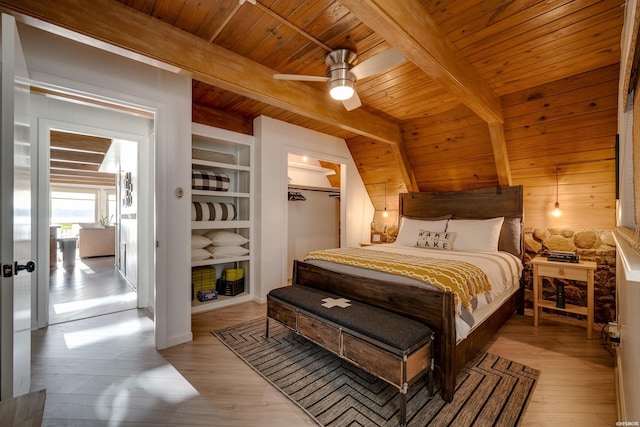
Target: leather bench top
[[400, 333]]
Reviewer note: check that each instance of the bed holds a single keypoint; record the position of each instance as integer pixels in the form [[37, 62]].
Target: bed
[[434, 307]]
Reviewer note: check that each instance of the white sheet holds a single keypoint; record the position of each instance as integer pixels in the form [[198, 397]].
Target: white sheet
[[502, 269]]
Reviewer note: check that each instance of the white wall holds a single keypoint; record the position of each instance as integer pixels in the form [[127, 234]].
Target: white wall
[[60, 63], [128, 242], [274, 140]]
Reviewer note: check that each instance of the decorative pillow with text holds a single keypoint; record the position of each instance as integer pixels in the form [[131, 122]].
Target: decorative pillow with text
[[436, 240]]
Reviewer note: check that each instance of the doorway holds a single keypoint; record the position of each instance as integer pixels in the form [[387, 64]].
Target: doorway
[[87, 226], [92, 276], [313, 214]]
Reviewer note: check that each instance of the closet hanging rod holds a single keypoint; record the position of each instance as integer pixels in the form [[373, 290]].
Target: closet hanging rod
[[320, 190]]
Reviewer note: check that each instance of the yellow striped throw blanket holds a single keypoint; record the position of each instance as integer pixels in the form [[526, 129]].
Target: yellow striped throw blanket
[[463, 279]]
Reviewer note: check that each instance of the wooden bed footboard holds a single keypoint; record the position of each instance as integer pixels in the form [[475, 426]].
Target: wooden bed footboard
[[434, 308], [431, 307]]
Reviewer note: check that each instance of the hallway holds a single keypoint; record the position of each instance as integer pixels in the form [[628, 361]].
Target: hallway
[[93, 288]]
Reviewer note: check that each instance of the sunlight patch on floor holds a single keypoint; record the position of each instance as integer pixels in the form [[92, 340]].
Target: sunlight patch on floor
[[115, 403], [85, 304], [92, 336]]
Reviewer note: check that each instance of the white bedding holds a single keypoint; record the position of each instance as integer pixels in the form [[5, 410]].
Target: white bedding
[[502, 269]]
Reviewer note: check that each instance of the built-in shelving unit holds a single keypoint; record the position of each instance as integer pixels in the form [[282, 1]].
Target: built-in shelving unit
[[231, 153]]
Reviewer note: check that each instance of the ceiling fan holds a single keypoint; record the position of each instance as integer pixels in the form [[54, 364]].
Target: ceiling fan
[[342, 73]]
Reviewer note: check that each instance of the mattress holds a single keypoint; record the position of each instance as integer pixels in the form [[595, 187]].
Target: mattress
[[502, 269]]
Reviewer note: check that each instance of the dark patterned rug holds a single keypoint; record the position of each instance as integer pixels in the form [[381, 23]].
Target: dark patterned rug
[[491, 391]]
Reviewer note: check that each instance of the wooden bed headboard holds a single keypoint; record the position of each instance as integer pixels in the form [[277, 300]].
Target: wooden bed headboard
[[477, 204], [482, 203]]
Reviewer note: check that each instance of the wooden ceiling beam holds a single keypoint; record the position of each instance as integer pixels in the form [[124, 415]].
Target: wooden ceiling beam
[[76, 156], [500, 156], [79, 142], [54, 164], [401, 156], [83, 180], [409, 27], [221, 119], [111, 24], [82, 173]]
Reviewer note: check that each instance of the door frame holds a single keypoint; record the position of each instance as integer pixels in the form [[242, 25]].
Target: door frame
[[146, 239]]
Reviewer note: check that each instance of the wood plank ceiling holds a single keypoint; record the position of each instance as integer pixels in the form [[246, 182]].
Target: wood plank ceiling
[[463, 58], [76, 159]]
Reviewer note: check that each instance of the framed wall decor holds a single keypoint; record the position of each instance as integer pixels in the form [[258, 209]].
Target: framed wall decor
[[127, 198]]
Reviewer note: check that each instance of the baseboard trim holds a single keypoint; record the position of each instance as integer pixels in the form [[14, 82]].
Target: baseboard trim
[[179, 339]]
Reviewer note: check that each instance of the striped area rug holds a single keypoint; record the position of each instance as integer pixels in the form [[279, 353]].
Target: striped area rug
[[491, 391]]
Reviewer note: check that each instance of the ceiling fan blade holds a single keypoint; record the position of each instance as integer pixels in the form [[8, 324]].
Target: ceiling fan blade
[[378, 63], [352, 103], [300, 77]]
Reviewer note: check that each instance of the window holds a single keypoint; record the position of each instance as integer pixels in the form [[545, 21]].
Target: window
[[111, 204], [73, 206]]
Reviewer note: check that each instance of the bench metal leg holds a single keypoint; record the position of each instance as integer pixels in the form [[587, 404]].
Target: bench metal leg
[[267, 327], [433, 366], [403, 406]]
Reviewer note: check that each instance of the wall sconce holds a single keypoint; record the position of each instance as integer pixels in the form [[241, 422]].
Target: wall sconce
[[385, 213], [556, 211]]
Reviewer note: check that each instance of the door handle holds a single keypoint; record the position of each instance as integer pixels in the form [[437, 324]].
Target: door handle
[[30, 266]]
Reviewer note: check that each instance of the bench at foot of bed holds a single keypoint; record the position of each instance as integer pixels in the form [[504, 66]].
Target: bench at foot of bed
[[394, 348]]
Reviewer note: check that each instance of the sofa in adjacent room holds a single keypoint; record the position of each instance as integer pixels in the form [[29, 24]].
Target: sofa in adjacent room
[[97, 242]]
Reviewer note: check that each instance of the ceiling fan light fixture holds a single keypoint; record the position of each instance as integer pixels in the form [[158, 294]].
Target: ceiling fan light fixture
[[341, 81], [341, 90]]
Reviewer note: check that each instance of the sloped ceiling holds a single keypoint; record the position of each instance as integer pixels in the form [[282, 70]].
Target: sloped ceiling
[[463, 57]]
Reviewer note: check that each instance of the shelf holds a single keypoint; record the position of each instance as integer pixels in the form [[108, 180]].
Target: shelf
[[215, 225], [209, 193], [312, 168], [222, 301], [231, 153], [219, 165], [569, 308], [216, 261]]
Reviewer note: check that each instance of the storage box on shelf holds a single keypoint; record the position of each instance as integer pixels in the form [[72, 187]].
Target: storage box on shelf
[[222, 203]]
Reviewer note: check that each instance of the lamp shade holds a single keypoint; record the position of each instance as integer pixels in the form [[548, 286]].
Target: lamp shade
[[340, 93]]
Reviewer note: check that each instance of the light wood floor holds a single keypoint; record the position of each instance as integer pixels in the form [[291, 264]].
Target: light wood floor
[[94, 287], [104, 371]]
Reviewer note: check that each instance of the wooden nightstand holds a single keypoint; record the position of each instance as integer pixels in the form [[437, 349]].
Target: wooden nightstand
[[582, 271]]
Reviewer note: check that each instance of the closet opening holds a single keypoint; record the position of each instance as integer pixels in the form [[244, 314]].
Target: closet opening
[[313, 206]]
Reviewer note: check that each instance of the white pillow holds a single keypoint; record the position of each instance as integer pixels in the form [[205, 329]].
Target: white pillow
[[436, 240], [410, 228], [227, 251], [199, 254], [476, 235], [225, 238], [199, 242]]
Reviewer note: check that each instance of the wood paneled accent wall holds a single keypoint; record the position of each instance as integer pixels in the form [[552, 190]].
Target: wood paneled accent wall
[[378, 165], [571, 123], [450, 151]]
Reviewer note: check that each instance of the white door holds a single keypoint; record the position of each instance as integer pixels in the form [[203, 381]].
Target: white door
[[15, 219]]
